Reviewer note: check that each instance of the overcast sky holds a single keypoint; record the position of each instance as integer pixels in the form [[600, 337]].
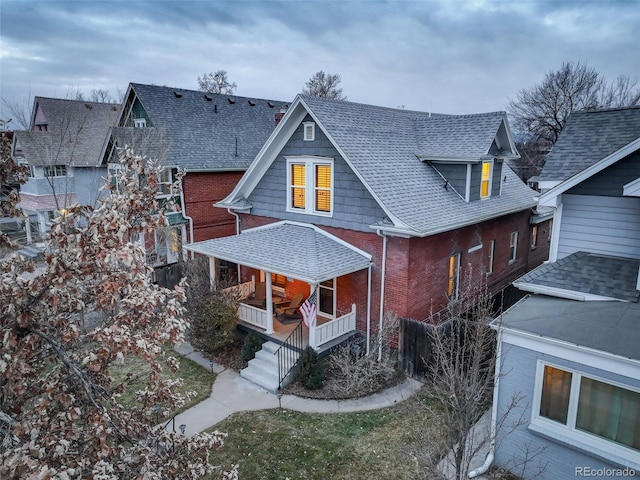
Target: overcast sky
[[449, 56]]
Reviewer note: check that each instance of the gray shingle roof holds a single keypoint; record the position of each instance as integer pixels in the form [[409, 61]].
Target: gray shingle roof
[[589, 273], [209, 134], [382, 145], [612, 327], [297, 251], [76, 132], [587, 138]]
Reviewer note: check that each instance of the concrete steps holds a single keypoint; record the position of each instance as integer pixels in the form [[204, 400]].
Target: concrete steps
[[263, 369]]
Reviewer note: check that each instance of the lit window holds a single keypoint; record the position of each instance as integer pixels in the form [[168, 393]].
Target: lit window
[[139, 122], [577, 405], [310, 185], [278, 280], [454, 276], [534, 236], [309, 131], [513, 247], [485, 183], [492, 246]]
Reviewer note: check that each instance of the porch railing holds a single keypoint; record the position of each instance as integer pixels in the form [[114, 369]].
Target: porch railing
[[242, 290], [252, 315], [289, 352], [336, 328]]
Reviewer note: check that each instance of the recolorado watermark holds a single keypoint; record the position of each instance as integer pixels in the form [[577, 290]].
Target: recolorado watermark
[[604, 472]]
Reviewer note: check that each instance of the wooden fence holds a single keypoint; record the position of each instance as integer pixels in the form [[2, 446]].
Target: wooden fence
[[414, 347]]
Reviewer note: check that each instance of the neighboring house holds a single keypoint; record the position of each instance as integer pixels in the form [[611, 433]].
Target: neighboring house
[[211, 138], [571, 349], [379, 211], [63, 151]]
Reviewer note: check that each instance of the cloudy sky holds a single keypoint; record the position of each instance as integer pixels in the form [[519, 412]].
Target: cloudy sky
[[451, 56]]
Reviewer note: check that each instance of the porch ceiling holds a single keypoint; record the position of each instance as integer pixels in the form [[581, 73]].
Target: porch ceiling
[[296, 250]]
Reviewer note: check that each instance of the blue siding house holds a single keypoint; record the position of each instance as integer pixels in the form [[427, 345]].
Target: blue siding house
[[570, 350]]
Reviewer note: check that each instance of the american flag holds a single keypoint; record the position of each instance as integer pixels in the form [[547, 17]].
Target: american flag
[[308, 309]]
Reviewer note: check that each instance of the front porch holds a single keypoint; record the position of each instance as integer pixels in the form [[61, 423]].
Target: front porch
[[322, 335]]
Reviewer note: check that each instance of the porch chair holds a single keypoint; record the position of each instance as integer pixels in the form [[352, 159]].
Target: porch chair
[[259, 298], [292, 307]]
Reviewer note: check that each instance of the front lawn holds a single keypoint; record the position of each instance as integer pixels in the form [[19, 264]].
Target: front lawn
[[279, 444], [195, 378]]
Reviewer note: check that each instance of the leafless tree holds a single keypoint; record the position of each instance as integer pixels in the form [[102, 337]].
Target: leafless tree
[[101, 95], [543, 109], [216, 83], [324, 85]]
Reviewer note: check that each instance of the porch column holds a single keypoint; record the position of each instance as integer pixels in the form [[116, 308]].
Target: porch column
[[267, 278], [27, 228], [313, 320]]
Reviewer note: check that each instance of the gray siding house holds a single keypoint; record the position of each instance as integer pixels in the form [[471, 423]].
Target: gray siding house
[[570, 350]]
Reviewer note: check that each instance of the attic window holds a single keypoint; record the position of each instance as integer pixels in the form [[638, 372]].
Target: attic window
[[309, 131], [208, 98], [139, 122], [177, 94], [252, 103], [485, 181]]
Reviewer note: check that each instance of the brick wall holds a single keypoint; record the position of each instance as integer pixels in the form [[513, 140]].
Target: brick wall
[[201, 191], [540, 253]]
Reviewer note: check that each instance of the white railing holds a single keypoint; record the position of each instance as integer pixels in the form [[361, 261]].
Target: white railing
[[242, 290], [336, 328], [252, 315]]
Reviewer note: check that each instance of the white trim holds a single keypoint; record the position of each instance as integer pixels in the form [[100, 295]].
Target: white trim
[[562, 293], [513, 243], [475, 249], [467, 187], [588, 172], [568, 433], [555, 232], [492, 251], [591, 357], [632, 189], [310, 162], [489, 180]]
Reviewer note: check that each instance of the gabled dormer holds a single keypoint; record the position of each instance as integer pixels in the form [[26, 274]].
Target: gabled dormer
[[134, 113], [467, 151]]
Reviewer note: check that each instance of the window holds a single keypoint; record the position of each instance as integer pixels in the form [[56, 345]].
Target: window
[[492, 246], [310, 185], [454, 276], [513, 247], [309, 131], [326, 303], [165, 182], [139, 122], [580, 405], [485, 182], [278, 280], [534, 236], [55, 170]]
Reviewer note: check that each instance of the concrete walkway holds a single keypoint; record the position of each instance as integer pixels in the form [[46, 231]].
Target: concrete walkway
[[231, 393]]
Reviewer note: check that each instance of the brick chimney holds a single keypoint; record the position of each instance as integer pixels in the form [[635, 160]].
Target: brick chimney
[[281, 113]]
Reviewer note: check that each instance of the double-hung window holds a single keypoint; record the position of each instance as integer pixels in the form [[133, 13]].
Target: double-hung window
[[310, 185], [492, 247], [588, 410], [485, 181], [55, 170], [513, 247]]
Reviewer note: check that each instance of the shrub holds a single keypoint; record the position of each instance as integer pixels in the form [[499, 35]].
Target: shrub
[[252, 343], [213, 323], [310, 371]]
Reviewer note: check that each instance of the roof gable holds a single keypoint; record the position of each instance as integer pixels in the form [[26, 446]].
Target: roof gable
[[381, 146], [204, 131]]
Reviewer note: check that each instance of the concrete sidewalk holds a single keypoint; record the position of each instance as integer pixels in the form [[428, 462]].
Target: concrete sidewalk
[[231, 393]]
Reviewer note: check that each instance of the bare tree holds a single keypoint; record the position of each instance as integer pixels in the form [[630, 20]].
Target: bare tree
[[543, 109], [61, 414], [324, 85], [101, 95], [216, 83], [11, 175]]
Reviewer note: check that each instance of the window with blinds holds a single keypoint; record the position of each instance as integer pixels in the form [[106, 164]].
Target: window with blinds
[[298, 185], [310, 185]]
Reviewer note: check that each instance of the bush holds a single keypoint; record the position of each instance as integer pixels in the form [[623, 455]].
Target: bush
[[213, 324], [252, 343], [310, 371]]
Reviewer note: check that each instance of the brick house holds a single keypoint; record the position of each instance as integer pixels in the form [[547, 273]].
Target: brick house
[[211, 138], [376, 211]]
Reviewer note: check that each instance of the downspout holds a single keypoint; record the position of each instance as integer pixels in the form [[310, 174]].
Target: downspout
[[184, 214], [382, 282], [494, 413], [369, 306], [237, 220]]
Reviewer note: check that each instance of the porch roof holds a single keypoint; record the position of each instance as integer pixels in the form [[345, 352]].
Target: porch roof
[[297, 250]]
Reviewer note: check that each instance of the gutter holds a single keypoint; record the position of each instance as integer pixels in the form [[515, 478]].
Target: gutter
[[494, 414]]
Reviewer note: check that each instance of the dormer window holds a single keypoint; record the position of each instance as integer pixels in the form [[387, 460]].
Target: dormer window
[[309, 131], [485, 181], [310, 185], [139, 122]]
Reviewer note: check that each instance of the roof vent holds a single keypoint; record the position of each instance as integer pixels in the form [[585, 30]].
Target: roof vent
[[231, 100], [271, 104], [252, 103], [88, 105], [208, 98], [177, 94]]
